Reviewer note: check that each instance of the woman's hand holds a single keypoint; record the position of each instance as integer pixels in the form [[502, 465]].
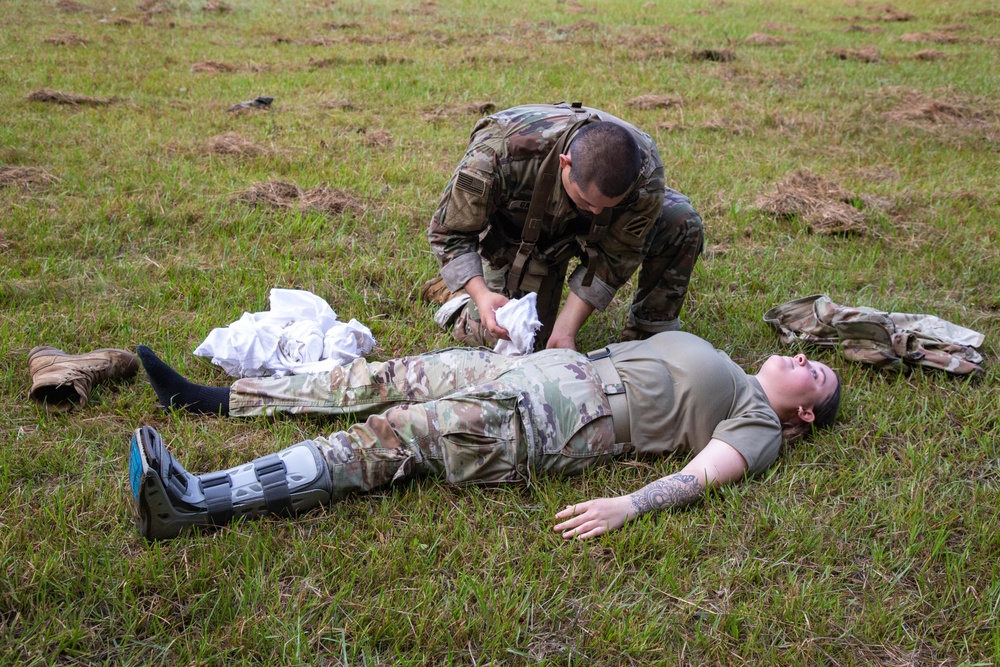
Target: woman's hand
[[594, 517]]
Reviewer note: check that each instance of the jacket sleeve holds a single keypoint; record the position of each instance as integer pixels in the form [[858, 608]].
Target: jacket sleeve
[[464, 212]]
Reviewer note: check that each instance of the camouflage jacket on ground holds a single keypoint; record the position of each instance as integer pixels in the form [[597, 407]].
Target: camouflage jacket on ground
[[894, 340], [493, 184]]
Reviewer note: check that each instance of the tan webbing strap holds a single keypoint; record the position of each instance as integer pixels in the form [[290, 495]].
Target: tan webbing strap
[[545, 182], [615, 391], [597, 229]]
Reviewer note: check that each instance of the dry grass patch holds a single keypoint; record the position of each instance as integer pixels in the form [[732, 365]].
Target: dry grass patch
[[822, 203], [57, 97], [868, 54], [883, 14], [342, 104], [929, 55], [763, 39], [213, 67], [377, 139], [854, 27], [917, 108], [282, 195], [218, 7], [232, 143], [468, 109], [154, 6], [932, 37], [772, 26], [68, 39], [72, 7], [714, 55], [25, 177], [643, 102]]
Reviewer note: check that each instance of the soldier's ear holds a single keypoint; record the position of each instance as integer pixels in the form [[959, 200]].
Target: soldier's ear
[[565, 161], [806, 414]]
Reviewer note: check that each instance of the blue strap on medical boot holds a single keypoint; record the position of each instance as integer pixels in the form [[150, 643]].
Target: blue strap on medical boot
[[166, 499]]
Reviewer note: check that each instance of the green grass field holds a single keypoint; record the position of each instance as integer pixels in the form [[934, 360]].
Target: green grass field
[[125, 218]]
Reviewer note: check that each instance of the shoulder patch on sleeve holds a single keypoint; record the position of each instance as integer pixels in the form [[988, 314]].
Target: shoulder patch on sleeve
[[636, 227], [472, 183]]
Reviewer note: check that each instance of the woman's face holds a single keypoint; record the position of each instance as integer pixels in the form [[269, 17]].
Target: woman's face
[[807, 382]]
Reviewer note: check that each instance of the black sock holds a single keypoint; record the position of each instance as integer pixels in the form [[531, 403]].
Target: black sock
[[176, 392]]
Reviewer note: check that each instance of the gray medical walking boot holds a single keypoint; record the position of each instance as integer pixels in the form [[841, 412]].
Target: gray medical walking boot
[[61, 381], [166, 499]]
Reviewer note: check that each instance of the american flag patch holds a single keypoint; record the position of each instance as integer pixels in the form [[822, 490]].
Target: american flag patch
[[471, 183]]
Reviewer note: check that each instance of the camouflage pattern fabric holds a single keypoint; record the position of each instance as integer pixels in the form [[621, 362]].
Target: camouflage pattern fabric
[[469, 416], [490, 192], [886, 340]]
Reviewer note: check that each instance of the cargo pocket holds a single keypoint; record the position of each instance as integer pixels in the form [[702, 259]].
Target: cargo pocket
[[482, 440]]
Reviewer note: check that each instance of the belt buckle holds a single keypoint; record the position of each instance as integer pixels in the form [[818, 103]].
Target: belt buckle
[[602, 354]]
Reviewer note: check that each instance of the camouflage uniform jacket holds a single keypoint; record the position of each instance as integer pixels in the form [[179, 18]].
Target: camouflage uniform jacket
[[886, 340], [493, 186]]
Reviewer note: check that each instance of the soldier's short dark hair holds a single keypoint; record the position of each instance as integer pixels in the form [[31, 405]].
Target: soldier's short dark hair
[[605, 154]]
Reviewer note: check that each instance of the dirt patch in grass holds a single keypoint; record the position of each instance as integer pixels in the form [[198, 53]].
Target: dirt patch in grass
[[66, 40], [154, 6], [24, 177], [822, 203], [882, 14], [342, 104], [929, 55], [377, 139], [653, 102], [282, 195], [72, 7], [932, 37], [232, 143], [918, 109], [468, 109], [714, 55], [213, 67], [57, 97], [864, 28], [868, 54], [218, 7], [764, 39]]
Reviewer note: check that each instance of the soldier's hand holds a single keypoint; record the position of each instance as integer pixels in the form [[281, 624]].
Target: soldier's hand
[[594, 517], [488, 304], [562, 342]]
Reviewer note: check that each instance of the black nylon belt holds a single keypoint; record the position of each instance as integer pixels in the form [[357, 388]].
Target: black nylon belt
[[217, 487], [271, 473], [615, 391]]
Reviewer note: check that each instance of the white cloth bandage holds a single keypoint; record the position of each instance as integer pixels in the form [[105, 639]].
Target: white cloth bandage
[[299, 334], [520, 318]]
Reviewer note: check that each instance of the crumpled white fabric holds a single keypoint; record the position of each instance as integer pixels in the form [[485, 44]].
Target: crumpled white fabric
[[299, 334], [520, 318]]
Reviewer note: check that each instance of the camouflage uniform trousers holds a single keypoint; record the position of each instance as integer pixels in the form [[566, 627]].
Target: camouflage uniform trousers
[[469, 416], [670, 254]]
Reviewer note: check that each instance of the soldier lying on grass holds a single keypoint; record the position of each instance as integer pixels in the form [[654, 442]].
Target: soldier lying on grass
[[472, 416]]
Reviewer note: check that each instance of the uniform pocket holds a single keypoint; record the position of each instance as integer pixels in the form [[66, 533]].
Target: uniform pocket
[[482, 439]]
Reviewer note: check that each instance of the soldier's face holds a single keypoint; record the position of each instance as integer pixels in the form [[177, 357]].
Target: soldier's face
[[587, 198], [808, 382]]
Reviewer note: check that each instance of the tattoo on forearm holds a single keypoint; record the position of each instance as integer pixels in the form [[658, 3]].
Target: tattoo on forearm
[[675, 491]]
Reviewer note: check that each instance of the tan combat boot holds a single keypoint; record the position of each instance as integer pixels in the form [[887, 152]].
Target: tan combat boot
[[63, 381], [435, 291]]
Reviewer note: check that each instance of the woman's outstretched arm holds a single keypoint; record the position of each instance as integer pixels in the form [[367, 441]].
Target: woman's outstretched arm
[[716, 465]]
